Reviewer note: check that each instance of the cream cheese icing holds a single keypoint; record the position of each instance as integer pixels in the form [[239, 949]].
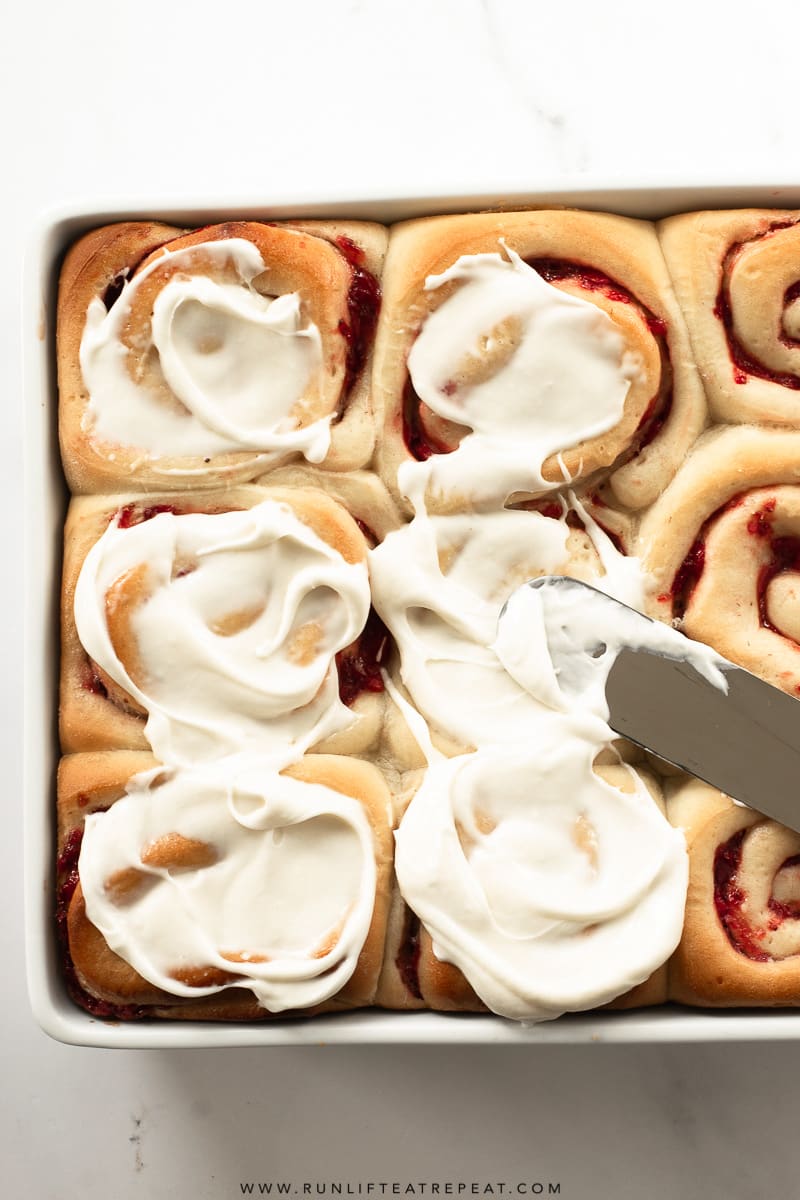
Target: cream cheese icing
[[235, 624], [529, 369], [240, 364], [444, 621], [256, 838], [552, 890]]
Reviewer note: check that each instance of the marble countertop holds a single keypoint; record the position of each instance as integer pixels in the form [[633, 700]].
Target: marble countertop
[[366, 97]]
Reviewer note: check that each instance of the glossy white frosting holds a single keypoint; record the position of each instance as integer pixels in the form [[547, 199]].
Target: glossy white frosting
[[288, 887], [270, 685], [551, 890], [556, 373], [445, 622], [240, 364]]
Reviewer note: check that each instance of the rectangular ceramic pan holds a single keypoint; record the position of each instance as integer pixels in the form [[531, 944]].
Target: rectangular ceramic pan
[[45, 506]]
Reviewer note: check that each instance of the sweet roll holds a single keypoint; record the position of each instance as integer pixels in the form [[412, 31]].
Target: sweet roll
[[737, 277], [517, 352], [511, 894], [722, 547], [183, 892], [741, 937], [203, 358], [208, 625]]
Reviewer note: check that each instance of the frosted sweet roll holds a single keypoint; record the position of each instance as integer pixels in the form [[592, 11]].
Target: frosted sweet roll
[[205, 633], [439, 584], [188, 891], [191, 359], [518, 352]]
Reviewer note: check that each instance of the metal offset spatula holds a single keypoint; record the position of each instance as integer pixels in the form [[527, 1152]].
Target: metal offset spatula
[[745, 741]]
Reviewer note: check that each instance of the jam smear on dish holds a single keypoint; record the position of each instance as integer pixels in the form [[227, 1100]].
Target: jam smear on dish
[[743, 363], [407, 960], [359, 665]]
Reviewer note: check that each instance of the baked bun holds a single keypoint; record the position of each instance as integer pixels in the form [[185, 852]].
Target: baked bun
[[198, 881], [203, 358]]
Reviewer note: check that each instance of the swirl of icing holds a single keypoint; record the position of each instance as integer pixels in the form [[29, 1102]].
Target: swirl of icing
[[207, 364], [551, 889], [439, 585], [224, 628], [199, 880], [527, 371]]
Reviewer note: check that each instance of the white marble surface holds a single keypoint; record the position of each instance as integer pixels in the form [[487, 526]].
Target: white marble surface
[[338, 97]]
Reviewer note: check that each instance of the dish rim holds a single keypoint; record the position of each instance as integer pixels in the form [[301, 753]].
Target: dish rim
[[45, 498]]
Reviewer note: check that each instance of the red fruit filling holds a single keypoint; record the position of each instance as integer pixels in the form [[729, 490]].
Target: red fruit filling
[[91, 681], [421, 444], [114, 290], [363, 306], [785, 556], [687, 577], [67, 867], [744, 364], [407, 960], [729, 900], [359, 665], [135, 514], [657, 412]]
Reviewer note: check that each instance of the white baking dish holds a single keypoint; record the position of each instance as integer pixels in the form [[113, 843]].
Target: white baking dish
[[45, 505]]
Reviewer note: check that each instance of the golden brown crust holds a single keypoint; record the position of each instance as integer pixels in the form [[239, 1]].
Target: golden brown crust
[[362, 493], [626, 254], [318, 260], [93, 782], [413, 977], [732, 271], [738, 947], [709, 545]]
